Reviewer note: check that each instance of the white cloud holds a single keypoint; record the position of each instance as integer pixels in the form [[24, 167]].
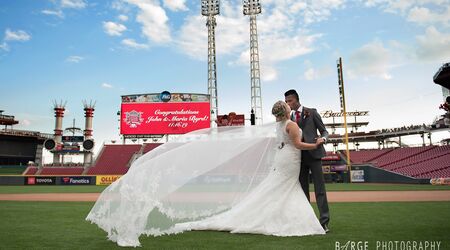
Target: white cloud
[[419, 11], [231, 33], [131, 43], [370, 60], [73, 4], [106, 85], [64, 4], [123, 18], [114, 29], [317, 11], [424, 15], [279, 37], [176, 5], [312, 73], [19, 35], [193, 38], [275, 48], [268, 73], [433, 45], [57, 13], [4, 46], [154, 21], [74, 59], [25, 122], [305, 12], [120, 6]]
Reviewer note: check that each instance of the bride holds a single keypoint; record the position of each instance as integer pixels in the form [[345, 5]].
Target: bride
[[241, 180]]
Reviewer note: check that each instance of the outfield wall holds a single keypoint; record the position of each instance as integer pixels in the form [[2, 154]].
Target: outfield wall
[[360, 174], [373, 174]]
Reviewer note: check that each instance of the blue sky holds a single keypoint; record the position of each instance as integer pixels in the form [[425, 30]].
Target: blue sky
[[98, 50]]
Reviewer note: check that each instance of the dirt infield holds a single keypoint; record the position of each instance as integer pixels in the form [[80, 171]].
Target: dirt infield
[[353, 196]]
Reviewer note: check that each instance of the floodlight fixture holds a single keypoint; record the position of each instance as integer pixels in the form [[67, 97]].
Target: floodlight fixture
[[251, 7], [210, 7]]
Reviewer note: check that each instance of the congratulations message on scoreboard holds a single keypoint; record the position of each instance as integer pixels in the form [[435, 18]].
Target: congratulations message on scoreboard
[[164, 118]]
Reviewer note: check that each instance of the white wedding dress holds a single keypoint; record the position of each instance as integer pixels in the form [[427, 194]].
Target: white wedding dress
[[245, 180]]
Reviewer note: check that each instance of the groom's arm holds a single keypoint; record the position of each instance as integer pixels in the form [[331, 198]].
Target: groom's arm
[[320, 126]]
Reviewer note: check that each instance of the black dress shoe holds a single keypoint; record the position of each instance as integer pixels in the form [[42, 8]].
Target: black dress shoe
[[326, 228]]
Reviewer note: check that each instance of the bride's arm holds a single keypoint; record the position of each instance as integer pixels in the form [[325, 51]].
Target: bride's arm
[[294, 133]]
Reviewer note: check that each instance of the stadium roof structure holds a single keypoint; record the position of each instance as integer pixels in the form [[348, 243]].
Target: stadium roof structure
[[442, 76], [376, 136], [349, 124], [7, 119]]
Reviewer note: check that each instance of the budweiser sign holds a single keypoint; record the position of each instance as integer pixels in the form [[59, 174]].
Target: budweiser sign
[[329, 114]]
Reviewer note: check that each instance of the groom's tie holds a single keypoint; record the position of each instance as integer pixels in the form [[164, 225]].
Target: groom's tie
[[297, 116]]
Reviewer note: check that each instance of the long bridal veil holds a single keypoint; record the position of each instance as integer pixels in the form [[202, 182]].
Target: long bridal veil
[[192, 177]]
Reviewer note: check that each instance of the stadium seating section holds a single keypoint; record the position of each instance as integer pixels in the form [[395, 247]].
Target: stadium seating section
[[61, 171], [417, 162], [116, 159], [30, 171], [113, 159]]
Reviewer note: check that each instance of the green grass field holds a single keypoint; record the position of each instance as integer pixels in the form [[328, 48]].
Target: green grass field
[[61, 225], [330, 187]]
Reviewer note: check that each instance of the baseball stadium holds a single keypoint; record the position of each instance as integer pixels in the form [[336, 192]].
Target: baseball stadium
[[383, 192]]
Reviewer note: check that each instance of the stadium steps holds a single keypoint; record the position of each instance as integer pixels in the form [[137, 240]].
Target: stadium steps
[[416, 159], [30, 171], [114, 159], [61, 171], [39, 171], [398, 155], [86, 170], [365, 155]]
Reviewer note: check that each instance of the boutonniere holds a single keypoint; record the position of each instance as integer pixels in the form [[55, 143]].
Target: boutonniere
[[306, 113], [445, 107]]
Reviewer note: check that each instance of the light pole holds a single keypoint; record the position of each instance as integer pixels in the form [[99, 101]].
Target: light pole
[[253, 8], [210, 8]]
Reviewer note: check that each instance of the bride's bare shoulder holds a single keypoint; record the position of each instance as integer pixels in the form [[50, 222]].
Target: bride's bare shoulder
[[291, 125]]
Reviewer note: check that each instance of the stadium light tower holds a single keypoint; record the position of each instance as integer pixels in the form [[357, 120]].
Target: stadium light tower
[[210, 8], [253, 8]]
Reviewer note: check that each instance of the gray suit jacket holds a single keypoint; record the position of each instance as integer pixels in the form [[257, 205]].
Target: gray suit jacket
[[310, 122]]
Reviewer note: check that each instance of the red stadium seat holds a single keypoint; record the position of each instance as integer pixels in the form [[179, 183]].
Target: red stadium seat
[[417, 162]]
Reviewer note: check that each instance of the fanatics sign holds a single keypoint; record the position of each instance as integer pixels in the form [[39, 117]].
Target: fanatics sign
[[164, 118]]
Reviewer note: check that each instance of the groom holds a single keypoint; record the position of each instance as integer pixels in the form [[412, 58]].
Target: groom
[[310, 122]]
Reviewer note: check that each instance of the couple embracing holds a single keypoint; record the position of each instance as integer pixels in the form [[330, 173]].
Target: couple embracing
[[152, 197]]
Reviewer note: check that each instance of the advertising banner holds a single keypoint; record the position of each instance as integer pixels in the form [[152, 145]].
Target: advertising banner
[[68, 138], [357, 175], [106, 179], [331, 158], [41, 180], [76, 180], [165, 96], [164, 118], [232, 119], [338, 168]]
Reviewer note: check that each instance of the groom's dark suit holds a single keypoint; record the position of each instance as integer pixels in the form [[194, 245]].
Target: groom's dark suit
[[310, 122]]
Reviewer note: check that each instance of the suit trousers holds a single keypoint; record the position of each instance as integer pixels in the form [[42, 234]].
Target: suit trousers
[[315, 165]]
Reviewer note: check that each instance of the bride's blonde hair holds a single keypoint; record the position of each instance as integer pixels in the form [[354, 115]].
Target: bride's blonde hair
[[279, 110]]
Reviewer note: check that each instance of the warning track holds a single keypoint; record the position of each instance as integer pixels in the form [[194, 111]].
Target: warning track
[[346, 196]]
